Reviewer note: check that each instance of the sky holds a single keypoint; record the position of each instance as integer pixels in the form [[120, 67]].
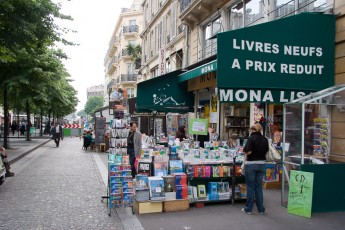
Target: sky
[[94, 22]]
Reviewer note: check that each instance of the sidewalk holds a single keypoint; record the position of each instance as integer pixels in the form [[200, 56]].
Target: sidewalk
[[19, 147]]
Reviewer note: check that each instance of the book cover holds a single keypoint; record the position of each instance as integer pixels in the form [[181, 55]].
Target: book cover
[[201, 191], [169, 183], [206, 171], [212, 188], [156, 185], [144, 168], [181, 192], [215, 171], [161, 168], [118, 159], [141, 181], [190, 171], [125, 160], [226, 171], [221, 172], [175, 166], [180, 179], [197, 170]]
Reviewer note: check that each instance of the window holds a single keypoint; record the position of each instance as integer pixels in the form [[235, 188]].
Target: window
[[130, 92], [210, 42], [236, 16], [254, 12], [130, 70], [132, 42], [167, 65], [173, 19]]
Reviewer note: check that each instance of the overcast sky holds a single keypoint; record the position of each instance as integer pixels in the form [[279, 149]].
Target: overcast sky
[[94, 20]]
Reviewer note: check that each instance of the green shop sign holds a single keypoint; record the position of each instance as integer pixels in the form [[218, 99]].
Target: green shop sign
[[293, 54]]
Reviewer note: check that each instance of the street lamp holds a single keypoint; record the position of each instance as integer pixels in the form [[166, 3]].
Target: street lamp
[[154, 113]]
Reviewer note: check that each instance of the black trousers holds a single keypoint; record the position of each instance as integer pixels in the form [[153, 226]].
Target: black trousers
[[57, 137], [130, 152]]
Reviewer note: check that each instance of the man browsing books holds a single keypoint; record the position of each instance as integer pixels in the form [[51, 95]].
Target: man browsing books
[[133, 145]]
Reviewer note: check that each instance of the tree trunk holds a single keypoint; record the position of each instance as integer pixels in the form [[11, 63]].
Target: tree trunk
[[41, 130], [6, 143], [28, 120]]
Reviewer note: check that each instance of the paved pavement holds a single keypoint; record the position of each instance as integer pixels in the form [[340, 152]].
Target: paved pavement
[[60, 188]]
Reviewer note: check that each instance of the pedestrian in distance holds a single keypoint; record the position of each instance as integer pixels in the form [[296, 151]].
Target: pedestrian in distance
[[255, 150], [133, 145], [57, 133], [14, 127], [5, 161]]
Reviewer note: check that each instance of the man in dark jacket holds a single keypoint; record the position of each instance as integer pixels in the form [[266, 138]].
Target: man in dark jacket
[[57, 133], [255, 150]]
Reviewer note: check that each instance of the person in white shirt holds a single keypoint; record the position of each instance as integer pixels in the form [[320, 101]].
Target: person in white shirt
[[57, 133]]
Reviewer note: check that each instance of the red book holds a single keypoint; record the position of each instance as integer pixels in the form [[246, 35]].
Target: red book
[[181, 192], [198, 171], [180, 178]]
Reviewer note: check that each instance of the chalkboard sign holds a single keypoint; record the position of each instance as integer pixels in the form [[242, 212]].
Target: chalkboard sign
[[300, 193], [99, 131]]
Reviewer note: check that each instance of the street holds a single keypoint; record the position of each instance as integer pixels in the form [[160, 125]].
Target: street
[[61, 188]]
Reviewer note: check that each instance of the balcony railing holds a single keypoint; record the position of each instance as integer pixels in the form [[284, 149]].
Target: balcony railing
[[111, 83], [113, 60], [130, 29], [209, 50], [184, 5], [128, 77], [124, 52], [114, 40]]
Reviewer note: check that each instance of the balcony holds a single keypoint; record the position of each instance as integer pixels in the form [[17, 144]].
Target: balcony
[[125, 54], [130, 30], [125, 78], [112, 65], [193, 12]]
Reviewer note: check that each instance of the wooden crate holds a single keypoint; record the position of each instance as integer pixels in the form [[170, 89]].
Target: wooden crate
[[142, 207], [272, 185], [175, 205]]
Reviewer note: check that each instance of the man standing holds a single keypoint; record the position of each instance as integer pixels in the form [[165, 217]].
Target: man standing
[[57, 133], [133, 145]]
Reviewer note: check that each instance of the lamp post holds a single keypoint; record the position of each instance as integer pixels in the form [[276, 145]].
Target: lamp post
[[154, 113]]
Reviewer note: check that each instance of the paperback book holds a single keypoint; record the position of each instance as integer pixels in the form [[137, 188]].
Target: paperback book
[[156, 185]]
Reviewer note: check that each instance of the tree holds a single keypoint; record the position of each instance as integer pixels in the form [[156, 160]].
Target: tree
[[135, 51], [27, 30], [92, 104], [81, 113]]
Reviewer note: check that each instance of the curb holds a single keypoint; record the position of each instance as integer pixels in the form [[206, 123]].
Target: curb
[[26, 153]]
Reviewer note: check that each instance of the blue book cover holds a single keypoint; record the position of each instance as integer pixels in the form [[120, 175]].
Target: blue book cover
[[161, 168], [175, 166], [141, 181], [156, 188]]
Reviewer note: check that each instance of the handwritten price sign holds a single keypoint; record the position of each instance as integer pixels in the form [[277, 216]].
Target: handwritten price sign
[[300, 193]]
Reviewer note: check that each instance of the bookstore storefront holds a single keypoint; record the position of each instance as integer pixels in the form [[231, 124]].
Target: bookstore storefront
[[274, 63]]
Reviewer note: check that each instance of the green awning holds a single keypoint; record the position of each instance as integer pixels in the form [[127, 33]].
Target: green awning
[[164, 94], [206, 68]]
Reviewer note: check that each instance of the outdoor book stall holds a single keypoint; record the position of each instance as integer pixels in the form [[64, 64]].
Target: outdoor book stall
[[313, 141]]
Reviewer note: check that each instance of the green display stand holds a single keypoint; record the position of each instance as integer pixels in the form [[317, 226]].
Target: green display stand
[[328, 193]]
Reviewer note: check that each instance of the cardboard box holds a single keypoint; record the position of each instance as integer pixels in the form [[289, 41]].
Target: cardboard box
[[147, 206], [175, 205]]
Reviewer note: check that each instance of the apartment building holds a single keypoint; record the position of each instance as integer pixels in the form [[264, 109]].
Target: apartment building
[[163, 38], [121, 67], [96, 90]]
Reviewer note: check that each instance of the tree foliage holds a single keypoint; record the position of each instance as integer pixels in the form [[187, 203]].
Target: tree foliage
[[135, 51], [92, 104], [32, 76]]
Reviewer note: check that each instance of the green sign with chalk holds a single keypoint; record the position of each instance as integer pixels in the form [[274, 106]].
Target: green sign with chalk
[[300, 193]]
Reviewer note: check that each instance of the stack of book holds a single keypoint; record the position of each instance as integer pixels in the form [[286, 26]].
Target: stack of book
[[181, 188], [141, 185], [156, 185]]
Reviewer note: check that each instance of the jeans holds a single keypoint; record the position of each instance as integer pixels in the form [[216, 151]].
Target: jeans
[[130, 152], [57, 137], [254, 174]]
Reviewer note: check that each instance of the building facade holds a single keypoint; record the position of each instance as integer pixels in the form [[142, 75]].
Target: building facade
[[121, 68], [97, 90], [163, 39]]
